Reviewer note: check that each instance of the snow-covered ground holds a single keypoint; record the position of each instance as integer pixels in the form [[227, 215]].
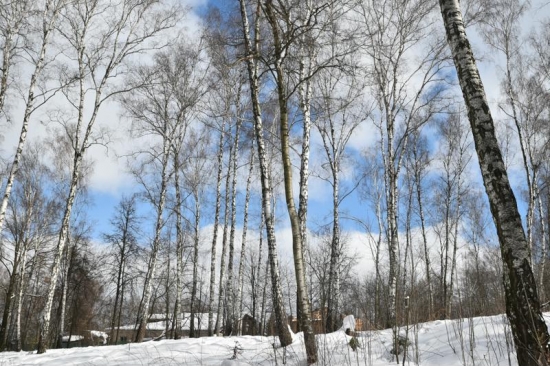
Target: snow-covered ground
[[478, 341]]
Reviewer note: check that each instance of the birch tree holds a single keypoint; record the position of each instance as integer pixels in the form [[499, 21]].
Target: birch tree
[[224, 74], [525, 104], [392, 30], [171, 89], [49, 12], [186, 72], [450, 187], [251, 48], [101, 36], [125, 225], [196, 173], [240, 275], [339, 114], [221, 283], [211, 297], [529, 330], [30, 222], [229, 287], [420, 156], [14, 20]]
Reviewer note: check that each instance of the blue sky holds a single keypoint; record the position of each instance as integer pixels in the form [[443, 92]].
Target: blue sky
[[110, 181]]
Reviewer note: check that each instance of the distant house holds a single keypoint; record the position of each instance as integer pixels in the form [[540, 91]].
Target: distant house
[[158, 324], [71, 341], [318, 317], [87, 338]]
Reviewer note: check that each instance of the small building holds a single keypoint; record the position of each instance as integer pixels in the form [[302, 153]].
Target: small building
[[86, 339], [71, 341], [159, 324], [318, 317]]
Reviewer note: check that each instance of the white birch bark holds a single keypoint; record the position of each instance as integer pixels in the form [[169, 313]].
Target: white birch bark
[[296, 222], [179, 245], [222, 283], [196, 241], [522, 304], [211, 328], [49, 19], [122, 37], [143, 314], [277, 297], [15, 16], [18, 269], [240, 277], [63, 305], [230, 286]]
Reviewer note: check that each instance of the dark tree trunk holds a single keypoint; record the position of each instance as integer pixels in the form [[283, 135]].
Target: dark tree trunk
[[522, 303]]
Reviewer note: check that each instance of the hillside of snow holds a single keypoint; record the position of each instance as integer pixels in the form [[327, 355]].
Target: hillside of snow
[[461, 342]]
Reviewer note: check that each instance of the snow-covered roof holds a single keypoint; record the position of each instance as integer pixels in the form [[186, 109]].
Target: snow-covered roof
[[74, 338], [158, 322]]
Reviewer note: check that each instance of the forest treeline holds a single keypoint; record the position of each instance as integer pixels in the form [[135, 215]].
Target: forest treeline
[[227, 126]]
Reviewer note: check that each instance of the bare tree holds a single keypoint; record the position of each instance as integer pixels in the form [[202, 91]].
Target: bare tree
[[229, 285], [522, 303], [392, 29], [29, 223], [125, 225], [100, 35], [339, 115], [240, 276], [450, 187], [196, 173], [49, 14], [221, 283], [186, 72], [419, 154], [15, 18], [251, 49], [211, 328]]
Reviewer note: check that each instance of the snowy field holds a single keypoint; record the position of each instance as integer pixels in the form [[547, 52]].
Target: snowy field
[[478, 341]]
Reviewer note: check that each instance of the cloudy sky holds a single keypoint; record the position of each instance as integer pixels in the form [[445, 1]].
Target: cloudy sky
[[110, 179]]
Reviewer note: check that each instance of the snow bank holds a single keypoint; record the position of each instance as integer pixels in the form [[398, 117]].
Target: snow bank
[[474, 341]]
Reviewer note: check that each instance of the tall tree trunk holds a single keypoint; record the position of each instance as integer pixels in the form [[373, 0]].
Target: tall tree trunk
[[167, 291], [195, 280], [222, 284], [333, 310], [215, 234], [544, 243], [49, 19], [179, 246], [295, 222], [143, 313], [18, 268], [418, 183], [393, 249], [19, 302], [119, 317], [230, 288], [285, 337], [62, 241], [240, 278], [112, 338], [64, 289], [522, 303]]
